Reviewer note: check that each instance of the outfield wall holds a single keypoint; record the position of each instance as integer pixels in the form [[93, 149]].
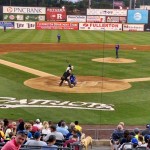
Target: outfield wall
[[41, 18]]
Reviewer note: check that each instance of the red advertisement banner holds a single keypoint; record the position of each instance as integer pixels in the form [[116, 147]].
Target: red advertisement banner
[[56, 14], [56, 26]]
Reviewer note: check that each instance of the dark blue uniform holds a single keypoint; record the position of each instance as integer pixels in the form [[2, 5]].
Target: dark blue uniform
[[117, 49], [58, 37], [73, 79]]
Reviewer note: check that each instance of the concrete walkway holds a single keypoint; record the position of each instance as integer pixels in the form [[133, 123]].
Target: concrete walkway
[[100, 148]]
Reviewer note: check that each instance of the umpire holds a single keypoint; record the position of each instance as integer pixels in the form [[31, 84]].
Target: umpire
[[66, 76]]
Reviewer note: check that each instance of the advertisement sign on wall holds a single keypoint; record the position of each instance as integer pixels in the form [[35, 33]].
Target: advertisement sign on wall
[[13, 17], [137, 16], [107, 12], [96, 19], [116, 19], [76, 18], [101, 26], [133, 27], [24, 25], [9, 25], [147, 27], [56, 14], [56, 25], [23, 10], [34, 17]]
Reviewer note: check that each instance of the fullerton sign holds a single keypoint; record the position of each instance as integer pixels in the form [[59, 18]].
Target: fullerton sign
[[24, 10], [10, 102]]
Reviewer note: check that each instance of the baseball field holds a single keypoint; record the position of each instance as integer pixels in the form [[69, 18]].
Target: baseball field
[[108, 91]]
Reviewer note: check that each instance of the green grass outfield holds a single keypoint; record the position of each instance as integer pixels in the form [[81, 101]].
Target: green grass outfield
[[131, 105]]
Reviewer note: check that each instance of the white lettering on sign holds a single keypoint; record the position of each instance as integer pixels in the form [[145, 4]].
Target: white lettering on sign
[[59, 16], [24, 10], [24, 25], [10, 102]]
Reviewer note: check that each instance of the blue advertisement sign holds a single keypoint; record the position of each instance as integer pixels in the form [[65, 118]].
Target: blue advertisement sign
[[9, 25], [137, 16]]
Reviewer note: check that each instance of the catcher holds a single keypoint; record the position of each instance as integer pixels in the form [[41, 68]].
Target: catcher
[[66, 76], [73, 80]]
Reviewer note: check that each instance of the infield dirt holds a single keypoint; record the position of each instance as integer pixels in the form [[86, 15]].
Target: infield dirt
[[88, 84]]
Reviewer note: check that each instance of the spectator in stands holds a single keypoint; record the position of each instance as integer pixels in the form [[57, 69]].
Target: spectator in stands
[[36, 141], [16, 142], [28, 128], [52, 140], [73, 132], [134, 142], [77, 126], [62, 129], [1, 125], [72, 126], [72, 140], [122, 124], [59, 135], [117, 134], [148, 144], [146, 131], [140, 140], [8, 131], [6, 123], [50, 123], [146, 140], [2, 135], [59, 124], [38, 124], [118, 139], [14, 124], [46, 130], [34, 128], [20, 126], [137, 133]]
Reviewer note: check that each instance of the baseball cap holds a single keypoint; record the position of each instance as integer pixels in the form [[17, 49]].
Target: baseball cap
[[37, 135], [147, 126], [37, 120]]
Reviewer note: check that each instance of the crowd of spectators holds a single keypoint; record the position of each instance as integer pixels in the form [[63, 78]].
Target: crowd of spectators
[[123, 139], [14, 135]]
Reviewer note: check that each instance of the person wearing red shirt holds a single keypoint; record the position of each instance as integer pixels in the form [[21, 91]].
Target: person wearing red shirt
[[16, 143]]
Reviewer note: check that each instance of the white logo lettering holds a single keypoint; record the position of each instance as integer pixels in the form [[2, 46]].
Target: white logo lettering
[[10, 102]]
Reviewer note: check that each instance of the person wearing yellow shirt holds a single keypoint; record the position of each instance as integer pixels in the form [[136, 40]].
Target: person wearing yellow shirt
[[77, 126]]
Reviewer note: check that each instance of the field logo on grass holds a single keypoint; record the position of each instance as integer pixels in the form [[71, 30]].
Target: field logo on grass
[[10, 102]]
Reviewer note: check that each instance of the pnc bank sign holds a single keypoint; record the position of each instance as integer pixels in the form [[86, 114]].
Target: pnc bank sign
[[10, 102], [24, 10]]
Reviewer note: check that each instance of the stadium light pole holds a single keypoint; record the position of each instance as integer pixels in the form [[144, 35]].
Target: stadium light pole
[[89, 3], [113, 4], [130, 5]]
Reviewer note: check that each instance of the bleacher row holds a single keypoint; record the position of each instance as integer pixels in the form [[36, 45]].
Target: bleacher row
[[38, 135], [124, 139], [73, 146]]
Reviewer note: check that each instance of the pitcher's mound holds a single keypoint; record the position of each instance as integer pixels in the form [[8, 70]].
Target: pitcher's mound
[[113, 60], [85, 84]]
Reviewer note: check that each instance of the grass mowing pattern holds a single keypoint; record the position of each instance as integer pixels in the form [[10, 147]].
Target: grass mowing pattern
[[127, 103], [50, 36]]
